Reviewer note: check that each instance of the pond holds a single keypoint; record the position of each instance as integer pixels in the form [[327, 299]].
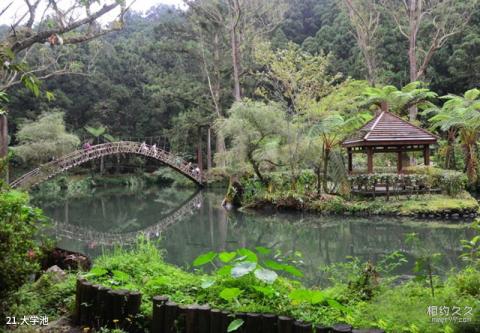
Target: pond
[[188, 223]]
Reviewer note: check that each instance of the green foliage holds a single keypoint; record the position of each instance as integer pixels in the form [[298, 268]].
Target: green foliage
[[20, 252], [235, 325], [299, 77], [450, 182], [255, 289], [96, 132], [461, 114], [47, 296], [256, 130], [399, 101], [391, 306], [44, 139], [425, 261], [471, 248]]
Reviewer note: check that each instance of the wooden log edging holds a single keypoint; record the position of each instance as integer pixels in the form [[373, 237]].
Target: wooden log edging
[[169, 317], [98, 306]]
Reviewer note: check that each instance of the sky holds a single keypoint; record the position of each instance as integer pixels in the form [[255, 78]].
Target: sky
[[19, 7]]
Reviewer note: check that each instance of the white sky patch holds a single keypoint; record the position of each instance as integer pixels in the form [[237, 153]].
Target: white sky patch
[[18, 9]]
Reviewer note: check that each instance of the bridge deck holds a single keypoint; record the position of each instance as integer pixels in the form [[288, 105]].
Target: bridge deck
[[78, 157]]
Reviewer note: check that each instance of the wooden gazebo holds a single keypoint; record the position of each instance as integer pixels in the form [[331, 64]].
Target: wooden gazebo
[[388, 133]]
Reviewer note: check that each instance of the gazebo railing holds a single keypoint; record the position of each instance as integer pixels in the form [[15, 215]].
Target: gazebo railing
[[391, 184]]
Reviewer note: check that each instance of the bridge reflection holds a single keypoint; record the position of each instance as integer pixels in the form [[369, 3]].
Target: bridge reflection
[[63, 230]]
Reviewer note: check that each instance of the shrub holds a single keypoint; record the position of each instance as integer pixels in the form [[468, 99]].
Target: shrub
[[46, 296], [19, 252]]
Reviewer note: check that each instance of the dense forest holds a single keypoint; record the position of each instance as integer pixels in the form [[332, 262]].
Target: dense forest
[[171, 73]]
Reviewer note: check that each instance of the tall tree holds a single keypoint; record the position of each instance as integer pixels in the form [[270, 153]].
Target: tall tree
[[365, 19], [243, 21], [54, 23], [427, 25], [208, 24]]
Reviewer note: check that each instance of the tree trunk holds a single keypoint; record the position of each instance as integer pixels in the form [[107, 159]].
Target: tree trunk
[[220, 147], [4, 146], [412, 50], [3, 136], [325, 169], [255, 167], [216, 91], [209, 148], [199, 151], [471, 164], [236, 64], [318, 173], [450, 151]]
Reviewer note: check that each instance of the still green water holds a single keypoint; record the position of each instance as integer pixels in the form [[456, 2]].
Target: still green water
[[187, 223]]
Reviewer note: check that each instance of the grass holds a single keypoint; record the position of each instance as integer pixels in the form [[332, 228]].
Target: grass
[[395, 308], [401, 205]]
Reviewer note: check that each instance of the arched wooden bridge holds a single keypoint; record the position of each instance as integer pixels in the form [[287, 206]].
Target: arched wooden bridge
[[98, 238], [81, 156]]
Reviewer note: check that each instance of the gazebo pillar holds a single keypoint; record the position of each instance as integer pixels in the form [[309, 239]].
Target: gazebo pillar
[[399, 162], [426, 154], [350, 160], [370, 159]]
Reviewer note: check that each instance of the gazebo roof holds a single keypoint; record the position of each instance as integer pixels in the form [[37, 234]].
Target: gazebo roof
[[389, 129]]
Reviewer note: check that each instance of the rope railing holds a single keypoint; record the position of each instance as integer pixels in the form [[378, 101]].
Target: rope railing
[[78, 157]]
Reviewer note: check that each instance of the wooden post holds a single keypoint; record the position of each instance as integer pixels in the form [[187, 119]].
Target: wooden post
[[426, 155], [78, 301], [369, 159], [242, 316], [226, 319], [285, 324], [171, 311], [269, 323], [302, 327], [203, 318], [101, 306], [342, 328], [322, 329], [254, 323], [191, 322], [216, 321], [350, 160], [158, 315], [132, 306], [87, 293], [118, 305], [399, 162]]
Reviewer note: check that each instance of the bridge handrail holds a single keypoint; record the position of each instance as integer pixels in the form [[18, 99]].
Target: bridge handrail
[[81, 156]]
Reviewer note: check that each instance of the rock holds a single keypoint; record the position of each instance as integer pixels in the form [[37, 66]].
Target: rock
[[455, 216], [57, 273], [66, 260]]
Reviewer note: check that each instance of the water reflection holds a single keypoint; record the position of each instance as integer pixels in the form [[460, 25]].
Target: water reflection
[[197, 224]]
